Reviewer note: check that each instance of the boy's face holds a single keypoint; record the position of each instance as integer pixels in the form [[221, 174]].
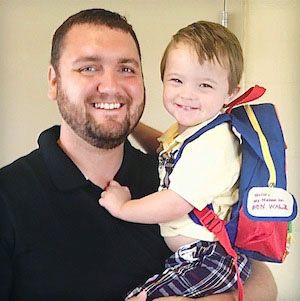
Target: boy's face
[[193, 93]]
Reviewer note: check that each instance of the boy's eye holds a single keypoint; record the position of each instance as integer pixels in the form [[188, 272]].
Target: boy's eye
[[203, 85], [176, 80]]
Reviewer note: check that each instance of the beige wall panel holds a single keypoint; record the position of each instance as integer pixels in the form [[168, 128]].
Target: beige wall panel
[[268, 31], [272, 44], [26, 29]]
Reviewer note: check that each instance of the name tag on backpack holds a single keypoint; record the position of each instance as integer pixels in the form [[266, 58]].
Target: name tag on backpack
[[270, 203]]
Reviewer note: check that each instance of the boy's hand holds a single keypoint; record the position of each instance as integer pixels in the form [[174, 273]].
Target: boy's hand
[[114, 197]]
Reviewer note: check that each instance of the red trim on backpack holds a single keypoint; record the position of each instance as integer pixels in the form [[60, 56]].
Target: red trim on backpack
[[250, 95]]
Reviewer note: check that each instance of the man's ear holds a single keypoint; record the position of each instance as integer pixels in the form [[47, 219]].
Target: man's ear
[[52, 83], [233, 95]]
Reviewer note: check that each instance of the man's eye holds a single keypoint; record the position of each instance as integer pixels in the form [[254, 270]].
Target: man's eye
[[128, 70], [88, 69], [205, 85]]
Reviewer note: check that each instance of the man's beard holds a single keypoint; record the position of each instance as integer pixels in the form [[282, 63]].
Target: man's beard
[[106, 135]]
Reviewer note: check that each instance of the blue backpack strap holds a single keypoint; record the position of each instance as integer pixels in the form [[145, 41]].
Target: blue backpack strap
[[217, 121]]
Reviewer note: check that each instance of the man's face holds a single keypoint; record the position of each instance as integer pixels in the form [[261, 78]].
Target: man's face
[[99, 86]]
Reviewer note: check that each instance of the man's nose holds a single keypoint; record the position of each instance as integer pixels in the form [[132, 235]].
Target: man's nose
[[107, 81]]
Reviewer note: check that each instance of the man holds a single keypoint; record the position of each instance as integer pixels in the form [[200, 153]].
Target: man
[[56, 242]]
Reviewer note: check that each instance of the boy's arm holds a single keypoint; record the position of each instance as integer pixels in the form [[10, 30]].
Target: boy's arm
[[146, 136], [158, 207], [260, 286]]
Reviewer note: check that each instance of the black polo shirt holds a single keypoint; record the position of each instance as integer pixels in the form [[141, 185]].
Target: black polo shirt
[[58, 244]]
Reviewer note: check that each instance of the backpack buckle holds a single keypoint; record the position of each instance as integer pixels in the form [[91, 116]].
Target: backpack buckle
[[210, 220]]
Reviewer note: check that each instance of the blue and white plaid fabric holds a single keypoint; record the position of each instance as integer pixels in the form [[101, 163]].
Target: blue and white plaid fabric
[[196, 270]]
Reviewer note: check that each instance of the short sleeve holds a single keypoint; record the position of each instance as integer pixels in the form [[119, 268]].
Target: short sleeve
[[209, 167]]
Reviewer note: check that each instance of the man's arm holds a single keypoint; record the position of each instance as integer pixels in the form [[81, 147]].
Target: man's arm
[[260, 286], [146, 136]]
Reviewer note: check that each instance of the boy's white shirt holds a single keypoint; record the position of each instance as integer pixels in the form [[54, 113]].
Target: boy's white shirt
[[207, 172]]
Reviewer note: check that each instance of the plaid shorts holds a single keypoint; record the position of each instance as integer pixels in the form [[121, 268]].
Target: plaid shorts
[[196, 270]]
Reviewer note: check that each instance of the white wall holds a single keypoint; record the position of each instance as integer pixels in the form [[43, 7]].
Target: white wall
[[272, 49], [26, 29], [268, 31]]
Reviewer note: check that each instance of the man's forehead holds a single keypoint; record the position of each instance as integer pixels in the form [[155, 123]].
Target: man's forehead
[[87, 31], [92, 36]]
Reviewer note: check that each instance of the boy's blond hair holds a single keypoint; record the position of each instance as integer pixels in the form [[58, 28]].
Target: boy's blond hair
[[212, 42]]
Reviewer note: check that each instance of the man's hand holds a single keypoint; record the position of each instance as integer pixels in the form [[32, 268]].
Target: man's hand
[[143, 297], [174, 298], [114, 197]]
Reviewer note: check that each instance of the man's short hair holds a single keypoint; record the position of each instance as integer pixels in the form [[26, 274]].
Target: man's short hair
[[95, 16]]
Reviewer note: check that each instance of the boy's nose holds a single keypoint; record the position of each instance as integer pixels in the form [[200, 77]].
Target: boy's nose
[[187, 92]]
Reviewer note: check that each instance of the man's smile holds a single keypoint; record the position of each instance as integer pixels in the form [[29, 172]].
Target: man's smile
[[107, 106]]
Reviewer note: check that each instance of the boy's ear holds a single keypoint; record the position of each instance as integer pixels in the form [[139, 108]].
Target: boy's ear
[[52, 83], [233, 94]]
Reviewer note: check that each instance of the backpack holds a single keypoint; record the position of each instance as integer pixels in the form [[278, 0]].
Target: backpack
[[259, 223]]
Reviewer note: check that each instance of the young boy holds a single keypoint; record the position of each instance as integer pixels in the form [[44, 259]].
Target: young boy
[[201, 70]]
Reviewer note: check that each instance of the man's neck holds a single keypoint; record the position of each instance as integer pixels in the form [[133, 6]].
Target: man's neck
[[98, 165]]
